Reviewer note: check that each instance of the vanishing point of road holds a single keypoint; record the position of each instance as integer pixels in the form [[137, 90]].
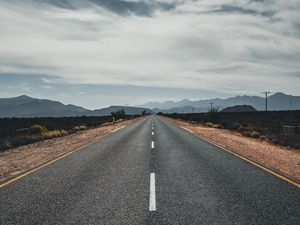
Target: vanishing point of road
[[151, 172]]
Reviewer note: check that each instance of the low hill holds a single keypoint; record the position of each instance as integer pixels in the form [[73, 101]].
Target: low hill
[[25, 106], [240, 108]]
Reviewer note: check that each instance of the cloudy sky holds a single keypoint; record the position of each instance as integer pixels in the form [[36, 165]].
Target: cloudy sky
[[96, 53]]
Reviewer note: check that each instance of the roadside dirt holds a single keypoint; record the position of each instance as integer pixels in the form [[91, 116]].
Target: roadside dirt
[[23, 158], [286, 160]]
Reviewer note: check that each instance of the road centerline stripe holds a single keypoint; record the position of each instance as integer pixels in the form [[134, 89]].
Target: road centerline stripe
[[152, 198], [152, 133], [152, 144]]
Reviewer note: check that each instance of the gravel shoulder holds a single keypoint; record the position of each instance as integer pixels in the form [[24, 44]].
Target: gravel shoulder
[[285, 160], [21, 159]]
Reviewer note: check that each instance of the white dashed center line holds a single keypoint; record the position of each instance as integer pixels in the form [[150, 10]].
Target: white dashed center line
[[152, 199], [152, 133], [152, 144]]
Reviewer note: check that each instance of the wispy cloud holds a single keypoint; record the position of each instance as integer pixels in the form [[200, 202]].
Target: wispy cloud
[[230, 45]]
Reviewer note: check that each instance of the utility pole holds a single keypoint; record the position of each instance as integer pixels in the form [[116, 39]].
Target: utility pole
[[266, 96], [211, 106]]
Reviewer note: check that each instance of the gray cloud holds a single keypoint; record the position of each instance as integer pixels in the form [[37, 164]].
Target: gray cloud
[[123, 7], [92, 95], [229, 45]]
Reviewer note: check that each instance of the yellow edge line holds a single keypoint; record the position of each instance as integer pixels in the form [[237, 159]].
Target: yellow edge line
[[56, 159], [242, 157]]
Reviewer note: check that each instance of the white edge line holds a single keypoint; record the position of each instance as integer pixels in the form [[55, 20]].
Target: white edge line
[[152, 198], [187, 129], [119, 128]]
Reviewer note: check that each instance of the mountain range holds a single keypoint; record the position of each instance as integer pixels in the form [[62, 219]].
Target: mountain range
[[25, 106], [277, 101]]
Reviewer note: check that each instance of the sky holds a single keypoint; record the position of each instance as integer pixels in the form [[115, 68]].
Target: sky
[[96, 53]]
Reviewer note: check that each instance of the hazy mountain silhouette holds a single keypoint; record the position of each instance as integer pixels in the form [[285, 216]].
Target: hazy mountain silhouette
[[277, 101], [25, 106], [129, 110]]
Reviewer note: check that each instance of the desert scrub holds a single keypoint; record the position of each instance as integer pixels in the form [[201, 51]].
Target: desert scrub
[[208, 124], [218, 126], [45, 133], [78, 128], [54, 134], [38, 129]]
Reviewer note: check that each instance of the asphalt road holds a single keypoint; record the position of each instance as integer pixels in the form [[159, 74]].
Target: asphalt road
[[150, 172]]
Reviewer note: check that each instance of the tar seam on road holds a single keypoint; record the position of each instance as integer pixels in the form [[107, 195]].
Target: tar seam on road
[[63, 155], [152, 198], [282, 177]]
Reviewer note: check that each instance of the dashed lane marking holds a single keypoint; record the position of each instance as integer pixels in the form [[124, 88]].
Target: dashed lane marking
[[152, 199]]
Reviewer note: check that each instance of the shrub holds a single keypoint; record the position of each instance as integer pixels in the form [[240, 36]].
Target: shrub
[[255, 134], [78, 128], [218, 126], [246, 133], [244, 129], [55, 133], [263, 138], [235, 126], [7, 144], [39, 129], [119, 114], [208, 124]]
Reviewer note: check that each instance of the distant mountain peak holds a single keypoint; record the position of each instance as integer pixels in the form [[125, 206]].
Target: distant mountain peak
[[279, 94], [277, 101], [24, 97]]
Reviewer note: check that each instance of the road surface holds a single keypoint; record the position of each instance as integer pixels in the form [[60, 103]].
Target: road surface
[[151, 172]]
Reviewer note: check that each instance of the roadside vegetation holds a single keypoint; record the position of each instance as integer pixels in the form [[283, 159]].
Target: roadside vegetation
[[265, 126], [16, 132]]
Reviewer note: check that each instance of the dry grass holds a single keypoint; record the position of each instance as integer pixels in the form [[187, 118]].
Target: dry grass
[[281, 158], [55, 133]]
